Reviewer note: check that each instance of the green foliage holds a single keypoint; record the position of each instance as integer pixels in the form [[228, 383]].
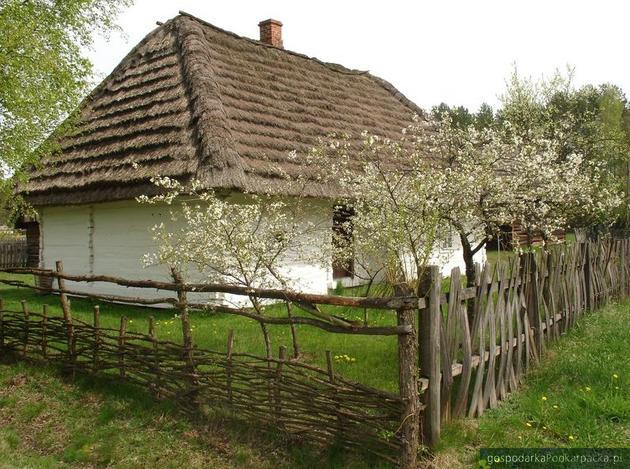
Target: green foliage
[[462, 118], [592, 121], [43, 70]]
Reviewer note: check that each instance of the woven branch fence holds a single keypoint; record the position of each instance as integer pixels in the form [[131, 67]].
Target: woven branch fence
[[312, 403], [460, 352]]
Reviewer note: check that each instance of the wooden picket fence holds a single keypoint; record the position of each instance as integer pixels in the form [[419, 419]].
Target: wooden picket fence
[[460, 352], [485, 338], [13, 253]]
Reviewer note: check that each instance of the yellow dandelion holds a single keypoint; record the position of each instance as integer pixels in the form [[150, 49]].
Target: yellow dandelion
[[544, 398], [555, 406], [528, 424], [571, 437], [615, 375]]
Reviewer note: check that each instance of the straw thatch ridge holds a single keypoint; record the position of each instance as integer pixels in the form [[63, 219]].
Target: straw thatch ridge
[[194, 101]]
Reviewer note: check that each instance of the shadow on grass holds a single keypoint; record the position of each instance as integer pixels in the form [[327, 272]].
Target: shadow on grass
[[215, 429]]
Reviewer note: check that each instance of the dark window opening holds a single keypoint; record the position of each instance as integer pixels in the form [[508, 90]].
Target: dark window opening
[[343, 266]]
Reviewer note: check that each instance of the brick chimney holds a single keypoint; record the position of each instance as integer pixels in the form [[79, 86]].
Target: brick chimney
[[271, 32]]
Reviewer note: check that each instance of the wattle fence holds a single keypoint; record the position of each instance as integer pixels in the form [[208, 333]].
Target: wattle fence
[[460, 352]]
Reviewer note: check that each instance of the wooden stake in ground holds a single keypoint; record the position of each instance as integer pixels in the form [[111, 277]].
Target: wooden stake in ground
[[182, 307], [408, 384], [156, 357], [97, 337], [67, 316], [228, 368], [45, 331], [282, 356], [429, 334], [26, 327], [121, 346], [1, 325]]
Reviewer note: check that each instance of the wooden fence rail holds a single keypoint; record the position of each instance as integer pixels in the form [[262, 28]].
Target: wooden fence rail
[[460, 352]]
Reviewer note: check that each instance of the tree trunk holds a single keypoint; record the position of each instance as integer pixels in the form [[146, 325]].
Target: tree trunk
[[468, 260]]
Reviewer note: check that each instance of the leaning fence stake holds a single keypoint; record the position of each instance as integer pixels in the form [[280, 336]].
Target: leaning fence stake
[[97, 337], [228, 368], [63, 298], [156, 356], [1, 325], [45, 331], [67, 316], [26, 327], [282, 356], [121, 346], [331, 377]]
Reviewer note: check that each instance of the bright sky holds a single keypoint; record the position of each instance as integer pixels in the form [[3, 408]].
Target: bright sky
[[455, 51]]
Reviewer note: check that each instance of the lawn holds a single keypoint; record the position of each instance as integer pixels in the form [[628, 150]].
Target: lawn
[[578, 397], [370, 360]]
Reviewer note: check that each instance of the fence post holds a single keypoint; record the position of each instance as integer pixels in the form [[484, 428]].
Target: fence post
[[182, 306], [282, 356], [228, 366], [26, 327], [408, 384], [1, 325], [45, 331], [429, 333], [97, 337], [331, 379], [121, 346], [156, 356], [67, 316], [588, 276], [63, 298]]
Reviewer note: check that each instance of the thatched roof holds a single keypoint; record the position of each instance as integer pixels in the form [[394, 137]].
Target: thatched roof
[[194, 101]]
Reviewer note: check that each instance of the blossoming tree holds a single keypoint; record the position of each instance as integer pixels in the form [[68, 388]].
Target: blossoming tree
[[396, 222], [243, 243], [495, 176]]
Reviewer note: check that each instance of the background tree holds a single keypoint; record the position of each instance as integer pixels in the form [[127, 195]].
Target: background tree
[[591, 121], [461, 117], [44, 71], [496, 175]]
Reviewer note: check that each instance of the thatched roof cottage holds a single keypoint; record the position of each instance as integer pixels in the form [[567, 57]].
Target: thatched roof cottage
[[194, 101]]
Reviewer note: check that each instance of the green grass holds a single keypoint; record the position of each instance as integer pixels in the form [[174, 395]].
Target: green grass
[[373, 359], [48, 422], [578, 397]]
